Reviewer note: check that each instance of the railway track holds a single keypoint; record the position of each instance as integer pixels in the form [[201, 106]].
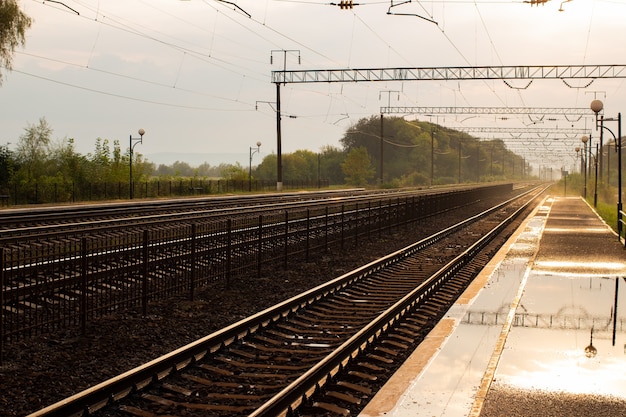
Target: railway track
[[69, 278], [43, 223], [324, 351]]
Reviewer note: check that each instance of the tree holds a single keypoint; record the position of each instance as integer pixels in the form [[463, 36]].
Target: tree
[[182, 169], [68, 165], [234, 172], [365, 133], [6, 167], [358, 167], [13, 25], [267, 169], [32, 149], [399, 138], [119, 164], [330, 164], [300, 165], [100, 161]]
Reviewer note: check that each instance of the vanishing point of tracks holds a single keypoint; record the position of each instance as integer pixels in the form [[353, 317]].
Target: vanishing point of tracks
[[324, 352]]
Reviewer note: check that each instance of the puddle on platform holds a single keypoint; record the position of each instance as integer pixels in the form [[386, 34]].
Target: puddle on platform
[[547, 347], [548, 344]]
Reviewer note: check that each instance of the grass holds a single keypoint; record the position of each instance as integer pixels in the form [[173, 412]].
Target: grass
[[608, 212]]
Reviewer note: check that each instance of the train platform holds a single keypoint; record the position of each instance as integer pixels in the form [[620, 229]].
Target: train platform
[[540, 332]]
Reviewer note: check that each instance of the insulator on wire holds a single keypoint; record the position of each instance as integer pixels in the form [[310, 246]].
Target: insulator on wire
[[346, 4]]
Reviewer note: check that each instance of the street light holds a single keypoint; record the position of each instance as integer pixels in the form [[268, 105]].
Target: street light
[[319, 170], [382, 150], [595, 178], [132, 146], [432, 155], [596, 107], [591, 351], [252, 152], [585, 161]]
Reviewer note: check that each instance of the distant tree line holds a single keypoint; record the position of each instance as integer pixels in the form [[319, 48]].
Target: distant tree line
[[413, 154], [422, 153]]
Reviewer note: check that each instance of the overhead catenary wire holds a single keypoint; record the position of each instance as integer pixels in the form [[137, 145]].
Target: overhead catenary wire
[[106, 93], [242, 64], [120, 24]]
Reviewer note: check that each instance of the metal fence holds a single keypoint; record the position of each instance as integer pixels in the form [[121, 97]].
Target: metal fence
[[60, 283], [42, 193]]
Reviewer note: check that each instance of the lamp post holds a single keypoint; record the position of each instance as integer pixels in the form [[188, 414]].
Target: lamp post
[[432, 155], [596, 107], [132, 146], [460, 152], [584, 162], [382, 150], [319, 171], [477, 161], [595, 185], [577, 149], [432, 148], [252, 152]]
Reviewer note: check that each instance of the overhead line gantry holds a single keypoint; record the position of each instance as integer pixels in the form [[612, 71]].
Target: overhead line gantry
[[521, 72], [430, 110], [521, 130], [504, 73]]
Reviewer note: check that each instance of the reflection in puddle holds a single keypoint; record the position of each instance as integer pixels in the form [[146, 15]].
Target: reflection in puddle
[[573, 265], [554, 360], [562, 339], [591, 351], [550, 350]]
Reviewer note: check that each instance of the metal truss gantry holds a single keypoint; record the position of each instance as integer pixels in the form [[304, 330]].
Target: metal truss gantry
[[426, 110], [524, 130], [522, 72], [534, 139], [504, 73]]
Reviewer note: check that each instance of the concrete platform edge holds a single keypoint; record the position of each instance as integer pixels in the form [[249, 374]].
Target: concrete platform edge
[[497, 353], [419, 361]]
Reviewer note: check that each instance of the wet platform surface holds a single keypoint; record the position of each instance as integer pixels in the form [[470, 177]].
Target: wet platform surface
[[533, 335]]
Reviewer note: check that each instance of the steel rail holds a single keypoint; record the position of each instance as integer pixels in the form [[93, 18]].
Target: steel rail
[[42, 292], [321, 373], [107, 392], [295, 225], [91, 226], [61, 214], [138, 205]]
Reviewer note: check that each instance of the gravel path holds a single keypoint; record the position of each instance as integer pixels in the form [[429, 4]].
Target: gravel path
[[505, 401]]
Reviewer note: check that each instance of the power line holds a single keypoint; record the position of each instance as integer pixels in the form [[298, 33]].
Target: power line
[[120, 95]]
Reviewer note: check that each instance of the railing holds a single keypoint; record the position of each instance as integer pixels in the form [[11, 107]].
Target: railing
[[46, 286]]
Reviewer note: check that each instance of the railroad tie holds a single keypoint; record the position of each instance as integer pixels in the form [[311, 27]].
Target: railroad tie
[[344, 397], [332, 408]]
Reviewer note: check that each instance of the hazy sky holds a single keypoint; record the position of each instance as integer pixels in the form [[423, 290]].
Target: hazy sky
[[195, 74]]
